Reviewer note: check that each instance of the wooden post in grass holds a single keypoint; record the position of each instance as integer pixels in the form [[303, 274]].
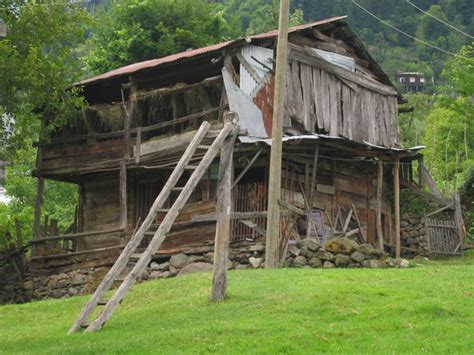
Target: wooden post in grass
[[272, 257], [224, 204], [396, 190]]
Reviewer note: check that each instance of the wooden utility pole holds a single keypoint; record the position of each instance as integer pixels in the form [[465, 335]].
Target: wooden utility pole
[[273, 220], [396, 189]]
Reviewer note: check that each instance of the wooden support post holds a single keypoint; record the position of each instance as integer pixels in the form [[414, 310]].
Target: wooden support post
[[123, 194], [138, 145], [221, 244], [273, 221], [129, 113], [38, 204], [309, 222], [459, 220], [19, 234], [379, 205], [396, 189]]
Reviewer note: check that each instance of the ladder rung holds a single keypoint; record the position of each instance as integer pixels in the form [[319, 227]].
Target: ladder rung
[[119, 279], [85, 325], [164, 210], [177, 188], [203, 147], [102, 303], [136, 256], [191, 167]]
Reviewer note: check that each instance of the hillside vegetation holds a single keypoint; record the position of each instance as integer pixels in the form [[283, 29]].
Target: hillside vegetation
[[429, 308]]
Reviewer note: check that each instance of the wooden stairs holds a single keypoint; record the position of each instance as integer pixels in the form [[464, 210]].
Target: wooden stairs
[[130, 263]]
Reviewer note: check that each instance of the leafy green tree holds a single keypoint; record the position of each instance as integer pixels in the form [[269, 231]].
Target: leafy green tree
[[137, 30], [38, 65], [450, 132]]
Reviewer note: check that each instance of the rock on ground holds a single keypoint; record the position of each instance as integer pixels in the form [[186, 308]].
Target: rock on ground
[[195, 267], [341, 245]]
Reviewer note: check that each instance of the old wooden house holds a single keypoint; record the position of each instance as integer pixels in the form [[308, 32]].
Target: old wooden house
[[341, 142]]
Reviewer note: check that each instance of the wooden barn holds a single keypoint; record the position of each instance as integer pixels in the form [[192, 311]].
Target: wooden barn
[[340, 146]]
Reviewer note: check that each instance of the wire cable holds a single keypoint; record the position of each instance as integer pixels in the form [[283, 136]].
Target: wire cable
[[438, 19], [406, 34]]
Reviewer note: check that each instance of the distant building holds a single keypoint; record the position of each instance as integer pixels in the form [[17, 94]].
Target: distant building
[[412, 81]]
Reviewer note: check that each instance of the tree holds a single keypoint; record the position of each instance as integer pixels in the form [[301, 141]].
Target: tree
[[137, 30], [38, 65], [450, 132]]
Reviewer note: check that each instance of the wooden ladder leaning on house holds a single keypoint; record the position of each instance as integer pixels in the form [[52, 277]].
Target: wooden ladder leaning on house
[[98, 298]]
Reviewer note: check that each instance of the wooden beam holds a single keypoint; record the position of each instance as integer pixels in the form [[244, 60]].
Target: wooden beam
[[129, 114], [38, 204], [138, 145], [82, 252], [379, 205], [249, 165], [302, 55], [253, 226], [309, 221], [272, 252], [253, 73], [396, 189], [291, 208], [120, 133], [76, 235], [221, 244], [461, 229], [123, 195], [19, 234]]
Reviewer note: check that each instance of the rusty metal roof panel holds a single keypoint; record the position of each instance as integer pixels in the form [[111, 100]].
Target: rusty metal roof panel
[[153, 63]]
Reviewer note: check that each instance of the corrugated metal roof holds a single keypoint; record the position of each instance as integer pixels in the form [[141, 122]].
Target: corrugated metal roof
[[153, 63]]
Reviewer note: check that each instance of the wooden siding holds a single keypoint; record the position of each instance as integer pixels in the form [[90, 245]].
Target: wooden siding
[[323, 103]]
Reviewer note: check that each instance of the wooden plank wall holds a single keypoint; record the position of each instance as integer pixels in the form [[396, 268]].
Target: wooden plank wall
[[101, 210], [321, 102], [341, 184], [70, 156]]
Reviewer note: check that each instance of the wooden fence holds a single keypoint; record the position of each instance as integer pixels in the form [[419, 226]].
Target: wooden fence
[[443, 237]]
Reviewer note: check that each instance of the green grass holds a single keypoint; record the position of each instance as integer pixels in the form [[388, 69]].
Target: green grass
[[424, 309]]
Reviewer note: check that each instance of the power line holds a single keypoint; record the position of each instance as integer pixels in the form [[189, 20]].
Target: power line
[[440, 20], [406, 34]]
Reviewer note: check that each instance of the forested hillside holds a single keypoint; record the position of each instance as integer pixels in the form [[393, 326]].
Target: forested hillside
[[393, 50]]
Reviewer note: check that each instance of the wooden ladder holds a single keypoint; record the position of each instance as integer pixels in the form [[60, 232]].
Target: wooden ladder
[[98, 298]]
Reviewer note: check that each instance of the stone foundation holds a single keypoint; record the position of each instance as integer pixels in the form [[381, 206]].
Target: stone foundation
[[340, 252]]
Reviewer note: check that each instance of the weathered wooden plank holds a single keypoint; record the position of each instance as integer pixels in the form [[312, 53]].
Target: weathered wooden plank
[[38, 204], [299, 53], [221, 243], [396, 189], [312, 192], [247, 167], [123, 195], [76, 235], [379, 205], [82, 252]]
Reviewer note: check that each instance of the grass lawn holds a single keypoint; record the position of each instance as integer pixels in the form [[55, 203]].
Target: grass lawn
[[424, 309]]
